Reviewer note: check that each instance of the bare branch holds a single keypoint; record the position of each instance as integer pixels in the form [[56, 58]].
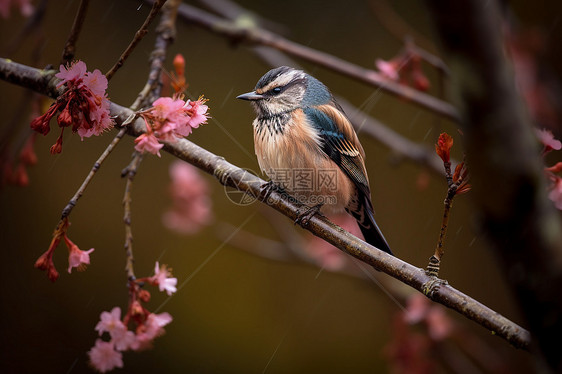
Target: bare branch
[[70, 45], [78, 194], [129, 172], [136, 39]]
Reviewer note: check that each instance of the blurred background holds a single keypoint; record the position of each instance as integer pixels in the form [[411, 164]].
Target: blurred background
[[235, 310]]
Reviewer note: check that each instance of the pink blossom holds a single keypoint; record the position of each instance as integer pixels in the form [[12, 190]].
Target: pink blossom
[[104, 357], [41, 124], [96, 82], [198, 112], [45, 262], [148, 142], [169, 119], [191, 208], [417, 308], [27, 154], [326, 255], [439, 325], [163, 280], [556, 168], [26, 9], [72, 74], [84, 104], [167, 132], [546, 137], [555, 193], [159, 320], [388, 68], [123, 338], [420, 309], [110, 322], [76, 257], [408, 351], [167, 108], [152, 328]]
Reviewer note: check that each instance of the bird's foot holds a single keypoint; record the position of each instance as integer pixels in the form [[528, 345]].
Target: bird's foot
[[267, 188], [304, 217]]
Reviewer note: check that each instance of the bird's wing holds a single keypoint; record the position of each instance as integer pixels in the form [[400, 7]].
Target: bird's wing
[[340, 143]]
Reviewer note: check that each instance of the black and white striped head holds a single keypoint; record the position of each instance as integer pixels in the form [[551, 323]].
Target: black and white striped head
[[284, 89]]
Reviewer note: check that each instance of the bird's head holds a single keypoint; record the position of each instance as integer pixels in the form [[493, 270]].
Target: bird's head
[[285, 89]]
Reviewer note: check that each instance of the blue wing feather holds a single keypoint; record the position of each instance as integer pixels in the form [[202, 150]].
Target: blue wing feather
[[340, 149], [349, 159]]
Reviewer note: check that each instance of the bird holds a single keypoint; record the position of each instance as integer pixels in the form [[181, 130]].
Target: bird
[[307, 146]]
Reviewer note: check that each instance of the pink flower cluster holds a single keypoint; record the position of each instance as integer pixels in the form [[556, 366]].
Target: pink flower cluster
[[404, 68], [25, 6], [325, 254], [13, 170], [107, 355], [411, 350], [555, 188], [170, 118], [76, 258], [162, 278], [191, 208], [83, 106]]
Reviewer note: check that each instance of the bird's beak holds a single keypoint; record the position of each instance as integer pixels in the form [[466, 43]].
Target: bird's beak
[[250, 96]]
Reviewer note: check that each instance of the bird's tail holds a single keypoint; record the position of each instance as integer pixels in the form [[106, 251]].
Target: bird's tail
[[370, 230]]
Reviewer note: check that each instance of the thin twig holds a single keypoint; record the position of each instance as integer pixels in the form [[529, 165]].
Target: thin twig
[[456, 184], [33, 23], [156, 5], [435, 260], [396, 25], [428, 57], [152, 88], [72, 203], [70, 45], [232, 10], [254, 244], [129, 172], [166, 32], [233, 176]]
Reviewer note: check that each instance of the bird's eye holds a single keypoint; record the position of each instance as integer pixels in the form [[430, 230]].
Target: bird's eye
[[276, 90]]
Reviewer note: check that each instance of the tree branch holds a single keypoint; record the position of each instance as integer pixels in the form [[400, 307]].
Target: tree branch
[[129, 172], [70, 45], [233, 176], [156, 5], [78, 194]]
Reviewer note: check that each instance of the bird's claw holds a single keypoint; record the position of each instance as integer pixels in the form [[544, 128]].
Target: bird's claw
[[304, 217], [267, 188]]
